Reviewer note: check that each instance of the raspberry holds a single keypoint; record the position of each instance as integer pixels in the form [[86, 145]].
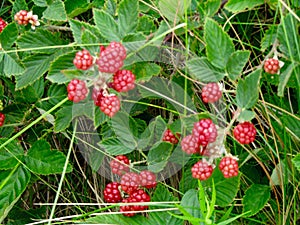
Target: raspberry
[[97, 95], [3, 24], [119, 165], [130, 182], [190, 145], [111, 58], [211, 93], [244, 133], [204, 132], [77, 90], [136, 196], [83, 60], [2, 118], [229, 166], [21, 17], [112, 193], [147, 179], [110, 105], [170, 137], [202, 170], [123, 81], [271, 66]]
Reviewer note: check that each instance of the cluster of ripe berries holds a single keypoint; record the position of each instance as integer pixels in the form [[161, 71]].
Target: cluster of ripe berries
[[3, 24], [2, 116], [24, 17], [271, 66], [131, 188], [202, 141], [109, 63]]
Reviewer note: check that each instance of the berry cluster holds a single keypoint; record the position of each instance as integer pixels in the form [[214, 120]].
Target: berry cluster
[[23, 18], [272, 66], [3, 24], [168, 136], [244, 132], [109, 63], [2, 118], [211, 93], [131, 188]]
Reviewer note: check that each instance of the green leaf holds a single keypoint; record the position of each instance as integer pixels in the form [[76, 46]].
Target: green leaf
[[12, 65], [8, 36], [76, 7], [269, 37], [219, 46], [241, 5], [40, 3], [187, 181], [36, 66], [236, 63], [248, 90], [55, 11], [106, 25], [210, 7], [10, 155], [173, 11], [12, 184], [63, 62], [158, 156], [63, 118], [292, 125], [284, 78], [246, 115], [115, 147], [144, 71], [90, 38], [32, 93], [289, 38], [256, 197], [40, 39], [280, 174], [191, 203], [128, 16], [118, 219], [296, 161], [204, 71], [40, 159]]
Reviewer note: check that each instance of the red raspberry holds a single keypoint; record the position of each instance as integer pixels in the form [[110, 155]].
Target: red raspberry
[[136, 196], [97, 95], [77, 90], [202, 170], [170, 137], [110, 105], [21, 17], [229, 166], [123, 81], [244, 133], [111, 58], [2, 118], [112, 193], [190, 145], [271, 66], [130, 182], [120, 165], [83, 60], [3, 24], [204, 132], [147, 179], [211, 93]]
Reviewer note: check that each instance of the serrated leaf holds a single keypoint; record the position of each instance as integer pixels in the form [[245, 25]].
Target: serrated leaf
[[12, 65], [219, 46], [128, 16], [158, 156], [296, 161], [187, 182], [56, 93], [202, 70], [256, 197], [40, 159], [76, 7], [190, 202], [236, 63], [12, 184], [63, 62], [40, 3], [8, 36], [106, 25], [240, 5], [10, 155], [173, 11], [99, 117], [90, 38], [144, 71], [32, 93], [268, 38], [55, 11], [115, 147], [284, 78], [36, 66], [41, 40], [280, 175], [248, 90], [211, 7], [246, 115]]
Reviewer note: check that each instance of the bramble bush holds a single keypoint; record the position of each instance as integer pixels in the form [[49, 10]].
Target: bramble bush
[[149, 112]]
